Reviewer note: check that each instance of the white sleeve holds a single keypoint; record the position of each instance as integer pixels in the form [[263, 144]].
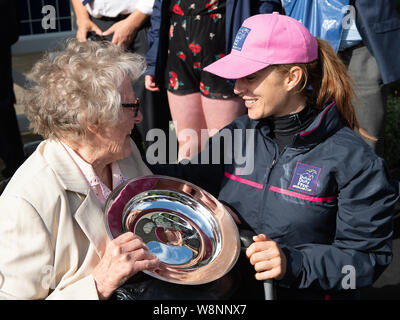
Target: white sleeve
[[83, 289], [27, 257], [25, 250], [145, 6]]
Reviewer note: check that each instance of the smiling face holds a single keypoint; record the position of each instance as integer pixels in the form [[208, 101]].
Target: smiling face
[[268, 93], [114, 142]]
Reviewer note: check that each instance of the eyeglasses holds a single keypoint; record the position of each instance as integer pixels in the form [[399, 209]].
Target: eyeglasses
[[134, 105]]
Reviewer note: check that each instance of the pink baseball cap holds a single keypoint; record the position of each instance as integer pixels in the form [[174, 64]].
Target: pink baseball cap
[[266, 39]]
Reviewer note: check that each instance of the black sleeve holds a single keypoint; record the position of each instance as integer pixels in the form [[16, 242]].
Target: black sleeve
[[9, 22]]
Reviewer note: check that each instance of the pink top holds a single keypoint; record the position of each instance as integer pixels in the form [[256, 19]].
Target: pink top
[[99, 188]]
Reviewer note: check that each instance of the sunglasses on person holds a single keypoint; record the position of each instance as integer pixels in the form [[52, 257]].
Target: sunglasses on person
[[135, 105]]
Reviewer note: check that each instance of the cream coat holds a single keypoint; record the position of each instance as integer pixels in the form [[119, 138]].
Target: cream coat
[[52, 231]]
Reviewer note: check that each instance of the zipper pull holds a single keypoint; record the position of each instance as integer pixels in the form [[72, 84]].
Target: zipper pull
[[272, 164]]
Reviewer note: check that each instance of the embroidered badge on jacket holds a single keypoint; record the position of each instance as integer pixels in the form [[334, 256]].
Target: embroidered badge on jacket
[[305, 178]]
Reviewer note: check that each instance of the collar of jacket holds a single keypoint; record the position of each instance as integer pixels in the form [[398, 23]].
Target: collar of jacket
[[85, 207], [68, 172], [326, 123]]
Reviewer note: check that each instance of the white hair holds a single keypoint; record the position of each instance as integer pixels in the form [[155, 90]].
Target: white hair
[[77, 87]]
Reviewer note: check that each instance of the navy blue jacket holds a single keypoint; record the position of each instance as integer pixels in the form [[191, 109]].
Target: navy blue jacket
[[236, 12], [327, 199], [379, 25]]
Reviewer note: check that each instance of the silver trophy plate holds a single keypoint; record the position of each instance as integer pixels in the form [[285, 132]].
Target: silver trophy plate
[[190, 231]]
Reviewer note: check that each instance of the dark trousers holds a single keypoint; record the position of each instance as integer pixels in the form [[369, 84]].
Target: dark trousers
[[154, 105], [11, 148]]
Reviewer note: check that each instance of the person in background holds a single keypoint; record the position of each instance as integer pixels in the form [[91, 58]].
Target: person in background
[[184, 37], [53, 240], [11, 148], [126, 24], [367, 40], [368, 49], [318, 199]]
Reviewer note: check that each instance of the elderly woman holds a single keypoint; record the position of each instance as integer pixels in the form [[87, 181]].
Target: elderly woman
[[53, 242]]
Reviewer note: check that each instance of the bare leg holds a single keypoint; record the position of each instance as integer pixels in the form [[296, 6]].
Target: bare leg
[[220, 112], [187, 111]]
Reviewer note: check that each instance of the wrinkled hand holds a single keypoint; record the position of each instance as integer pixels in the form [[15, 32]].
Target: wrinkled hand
[[124, 256], [124, 32], [86, 26], [150, 83], [268, 259]]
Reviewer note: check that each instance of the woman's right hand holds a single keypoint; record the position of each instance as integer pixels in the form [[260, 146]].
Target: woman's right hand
[[124, 256], [84, 27], [150, 83]]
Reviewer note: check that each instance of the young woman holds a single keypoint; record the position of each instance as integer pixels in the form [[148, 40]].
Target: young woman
[[318, 197]]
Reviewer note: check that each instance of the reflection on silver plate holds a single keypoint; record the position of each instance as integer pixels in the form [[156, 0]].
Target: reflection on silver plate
[[189, 230]]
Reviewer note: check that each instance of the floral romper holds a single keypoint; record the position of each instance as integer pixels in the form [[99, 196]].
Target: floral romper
[[196, 39]]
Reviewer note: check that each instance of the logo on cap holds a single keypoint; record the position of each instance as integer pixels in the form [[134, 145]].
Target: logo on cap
[[240, 37]]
